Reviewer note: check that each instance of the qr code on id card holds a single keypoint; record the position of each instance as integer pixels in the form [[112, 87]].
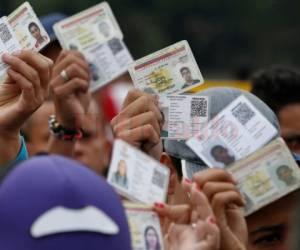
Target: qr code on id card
[[243, 113], [159, 178], [5, 34], [199, 107]]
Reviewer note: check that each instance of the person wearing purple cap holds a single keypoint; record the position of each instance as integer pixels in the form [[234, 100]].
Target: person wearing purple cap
[[50, 202]]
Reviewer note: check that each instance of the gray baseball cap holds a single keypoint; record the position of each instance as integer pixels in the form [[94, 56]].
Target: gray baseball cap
[[219, 98]]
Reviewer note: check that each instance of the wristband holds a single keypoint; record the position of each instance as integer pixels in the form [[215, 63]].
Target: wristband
[[63, 133]]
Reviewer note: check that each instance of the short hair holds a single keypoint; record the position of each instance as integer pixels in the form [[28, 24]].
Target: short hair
[[280, 168], [33, 24], [215, 148], [184, 68], [277, 86]]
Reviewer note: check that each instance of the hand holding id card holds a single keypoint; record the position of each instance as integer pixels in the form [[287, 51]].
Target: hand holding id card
[[144, 227], [167, 71], [183, 115], [236, 132], [136, 175], [266, 176], [96, 34]]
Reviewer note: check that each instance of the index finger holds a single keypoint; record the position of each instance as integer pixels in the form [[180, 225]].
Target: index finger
[[212, 174], [134, 95]]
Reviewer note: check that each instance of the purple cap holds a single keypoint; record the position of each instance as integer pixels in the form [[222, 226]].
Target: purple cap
[[51, 202]]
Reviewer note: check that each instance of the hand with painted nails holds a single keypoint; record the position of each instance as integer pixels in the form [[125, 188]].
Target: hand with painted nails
[[22, 92], [201, 233], [227, 204], [139, 123]]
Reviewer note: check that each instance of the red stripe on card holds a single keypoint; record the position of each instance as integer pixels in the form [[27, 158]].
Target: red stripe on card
[[159, 58], [22, 11], [82, 18]]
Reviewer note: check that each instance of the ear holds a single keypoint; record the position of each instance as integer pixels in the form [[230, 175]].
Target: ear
[[166, 160]]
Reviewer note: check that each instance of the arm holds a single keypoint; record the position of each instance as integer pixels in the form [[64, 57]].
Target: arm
[[22, 92], [71, 97]]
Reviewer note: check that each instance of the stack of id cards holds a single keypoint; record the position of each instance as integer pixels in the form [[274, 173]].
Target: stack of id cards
[[236, 132], [21, 30], [266, 176], [144, 227], [137, 176], [96, 33], [167, 71]]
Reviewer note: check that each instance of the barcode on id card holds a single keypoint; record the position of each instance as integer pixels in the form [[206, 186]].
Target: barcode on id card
[[5, 34], [243, 113], [159, 179], [199, 107]]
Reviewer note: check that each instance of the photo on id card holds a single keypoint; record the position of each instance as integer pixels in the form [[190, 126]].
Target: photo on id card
[[28, 29], [136, 175], [266, 175], [167, 71], [234, 133], [144, 227]]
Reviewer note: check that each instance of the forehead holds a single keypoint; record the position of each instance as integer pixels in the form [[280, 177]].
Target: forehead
[[289, 118], [278, 212]]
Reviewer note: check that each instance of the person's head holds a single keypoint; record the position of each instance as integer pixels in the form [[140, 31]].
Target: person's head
[[36, 129], [285, 174], [122, 168], [177, 151], [94, 148], [270, 226], [220, 154], [279, 87], [151, 238], [35, 30], [186, 74], [50, 202]]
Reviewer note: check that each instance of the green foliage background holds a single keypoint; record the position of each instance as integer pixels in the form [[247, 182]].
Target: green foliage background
[[224, 35]]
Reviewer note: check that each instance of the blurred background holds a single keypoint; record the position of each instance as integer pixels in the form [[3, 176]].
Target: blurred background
[[229, 39]]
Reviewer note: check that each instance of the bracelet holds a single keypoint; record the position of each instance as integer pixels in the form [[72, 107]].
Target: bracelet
[[63, 133]]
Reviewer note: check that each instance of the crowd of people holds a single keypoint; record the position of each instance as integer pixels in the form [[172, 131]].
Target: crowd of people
[[55, 148]]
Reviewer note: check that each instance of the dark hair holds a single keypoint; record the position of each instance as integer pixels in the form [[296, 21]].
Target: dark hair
[[184, 68], [158, 247], [277, 86], [33, 24], [215, 148], [282, 167]]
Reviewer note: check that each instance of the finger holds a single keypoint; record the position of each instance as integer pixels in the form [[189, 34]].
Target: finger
[[65, 53], [40, 63], [72, 71], [138, 121], [211, 188], [212, 174], [201, 208], [71, 87], [223, 199], [21, 67], [187, 185], [27, 88], [139, 106], [179, 214], [67, 61], [134, 95], [139, 135]]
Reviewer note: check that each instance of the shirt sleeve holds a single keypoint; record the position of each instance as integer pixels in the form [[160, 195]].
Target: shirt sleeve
[[22, 155]]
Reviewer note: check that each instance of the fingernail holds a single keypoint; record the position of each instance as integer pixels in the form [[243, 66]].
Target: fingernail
[[188, 181], [16, 53], [211, 220], [159, 205], [6, 56]]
